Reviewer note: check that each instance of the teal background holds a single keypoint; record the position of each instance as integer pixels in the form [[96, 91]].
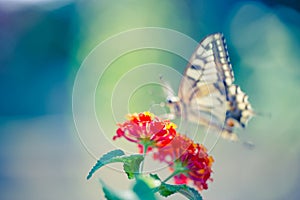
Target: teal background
[[43, 43]]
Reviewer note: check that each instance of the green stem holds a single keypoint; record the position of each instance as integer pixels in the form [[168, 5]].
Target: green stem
[[144, 155], [169, 177], [178, 170]]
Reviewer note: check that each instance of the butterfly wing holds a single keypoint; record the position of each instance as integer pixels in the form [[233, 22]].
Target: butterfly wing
[[203, 87], [239, 108], [207, 92]]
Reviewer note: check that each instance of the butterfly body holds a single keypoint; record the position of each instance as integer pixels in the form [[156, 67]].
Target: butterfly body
[[207, 95]]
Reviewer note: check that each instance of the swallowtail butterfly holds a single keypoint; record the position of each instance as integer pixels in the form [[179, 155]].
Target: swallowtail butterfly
[[207, 94]]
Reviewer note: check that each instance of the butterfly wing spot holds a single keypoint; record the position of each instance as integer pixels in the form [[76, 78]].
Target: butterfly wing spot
[[193, 74], [217, 35], [222, 54], [227, 74], [239, 97], [223, 60], [242, 106], [194, 67], [232, 89], [228, 81], [230, 123], [247, 113], [209, 46], [196, 64], [225, 67]]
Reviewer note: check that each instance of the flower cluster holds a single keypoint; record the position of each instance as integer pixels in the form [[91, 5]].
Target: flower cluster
[[146, 130], [189, 161]]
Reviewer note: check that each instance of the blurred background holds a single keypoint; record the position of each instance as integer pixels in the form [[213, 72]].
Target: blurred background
[[44, 42]]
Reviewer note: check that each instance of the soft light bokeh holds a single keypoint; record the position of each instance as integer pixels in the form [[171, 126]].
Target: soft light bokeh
[[43, 44]]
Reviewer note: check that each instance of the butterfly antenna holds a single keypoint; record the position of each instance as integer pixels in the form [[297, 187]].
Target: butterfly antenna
[[169, 92], [162, 80], [164, 84]]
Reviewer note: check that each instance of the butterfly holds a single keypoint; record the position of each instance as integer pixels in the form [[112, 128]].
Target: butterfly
[[207, 94]]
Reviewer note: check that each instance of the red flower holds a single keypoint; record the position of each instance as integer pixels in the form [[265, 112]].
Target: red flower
[[188, 160], [146, 130], [174, 150]]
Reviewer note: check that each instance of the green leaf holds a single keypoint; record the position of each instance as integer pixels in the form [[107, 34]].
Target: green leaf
[[189, 192], [109, 194], [132, 164], [155, 176], [142, 190], [105, 159], [167, 189]]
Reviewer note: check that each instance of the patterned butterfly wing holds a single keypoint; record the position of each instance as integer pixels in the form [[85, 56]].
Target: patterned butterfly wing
[[239, 110], [206, 91], [203, 88]]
